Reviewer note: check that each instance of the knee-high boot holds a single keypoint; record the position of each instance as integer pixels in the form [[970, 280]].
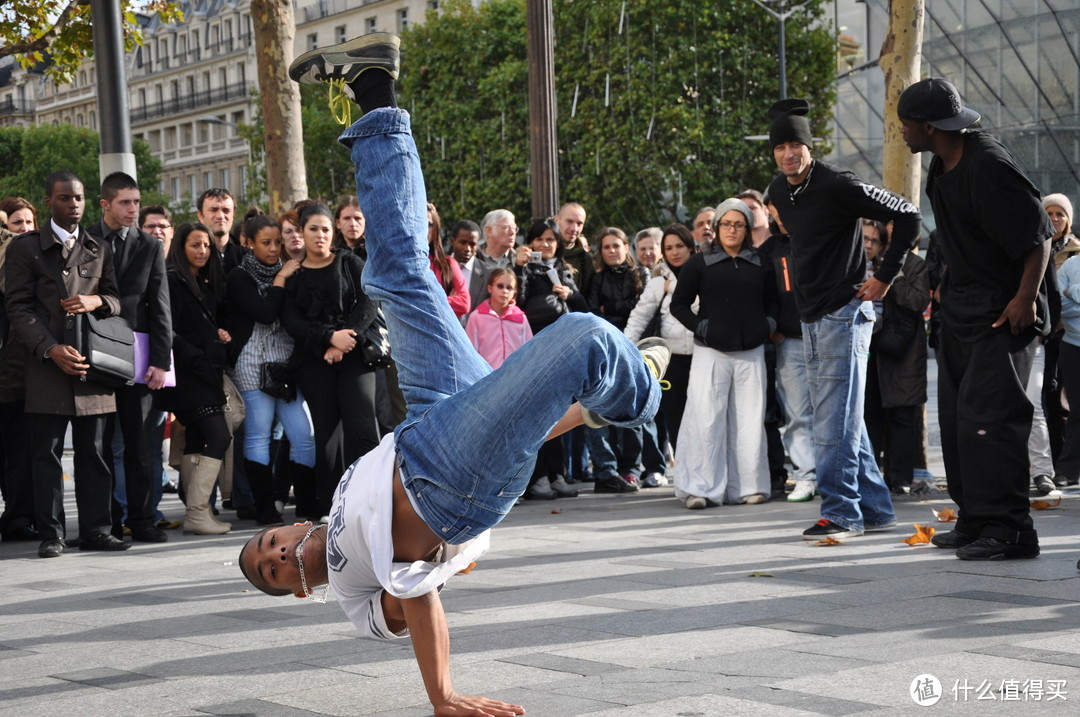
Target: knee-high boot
[[199, 477], [261, 480], [304, 491]]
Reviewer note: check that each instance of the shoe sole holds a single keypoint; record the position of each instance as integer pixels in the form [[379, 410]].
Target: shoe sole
[[835, 536], [345, 52], [996, 556], [655, 342], [800, 500]]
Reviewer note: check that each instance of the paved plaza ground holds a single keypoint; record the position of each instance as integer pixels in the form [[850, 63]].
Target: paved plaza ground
[[599, 605]]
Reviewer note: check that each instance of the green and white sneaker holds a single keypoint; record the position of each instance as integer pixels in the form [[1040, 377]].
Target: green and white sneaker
[[346, 60], [657, 356]]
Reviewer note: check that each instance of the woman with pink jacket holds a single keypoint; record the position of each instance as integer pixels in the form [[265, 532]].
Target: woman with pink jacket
[[497, 327]]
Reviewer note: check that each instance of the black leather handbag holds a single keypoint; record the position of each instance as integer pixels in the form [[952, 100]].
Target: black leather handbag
[[276, 380], [374, 343], [108, 345]]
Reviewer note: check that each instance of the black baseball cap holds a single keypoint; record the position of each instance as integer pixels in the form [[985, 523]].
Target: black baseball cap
[[935, 101]]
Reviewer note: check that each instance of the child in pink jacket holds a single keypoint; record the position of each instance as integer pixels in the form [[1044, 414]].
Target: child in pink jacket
[[497, 327]]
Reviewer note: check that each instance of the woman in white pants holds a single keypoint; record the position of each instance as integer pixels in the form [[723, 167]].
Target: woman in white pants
[[722, 456]]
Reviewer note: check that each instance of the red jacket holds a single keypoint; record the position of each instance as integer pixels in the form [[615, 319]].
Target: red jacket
[[459, 298]]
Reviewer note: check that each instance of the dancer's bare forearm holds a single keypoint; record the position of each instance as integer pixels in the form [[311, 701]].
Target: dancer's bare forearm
[[569, 421]]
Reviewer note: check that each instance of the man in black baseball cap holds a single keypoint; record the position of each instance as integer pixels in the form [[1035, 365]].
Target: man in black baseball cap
[[994, 238]]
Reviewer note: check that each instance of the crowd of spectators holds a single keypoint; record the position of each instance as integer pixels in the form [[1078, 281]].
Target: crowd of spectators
[[269, 370]]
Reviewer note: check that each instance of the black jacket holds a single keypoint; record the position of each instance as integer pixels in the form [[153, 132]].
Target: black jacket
[[247, 308], [899, 345], [824, 217], [199, 354], [778, 250], [738, 299], [313, 310], [144, 291], [612, 293], [541, 305]]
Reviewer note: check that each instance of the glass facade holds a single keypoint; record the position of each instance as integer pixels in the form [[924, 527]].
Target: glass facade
[[1017, 62]]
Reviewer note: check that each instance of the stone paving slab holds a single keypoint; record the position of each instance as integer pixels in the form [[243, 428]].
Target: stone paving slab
[[615, 605]]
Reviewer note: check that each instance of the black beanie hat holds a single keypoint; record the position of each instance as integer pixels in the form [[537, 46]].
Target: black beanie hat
[[789, 123]]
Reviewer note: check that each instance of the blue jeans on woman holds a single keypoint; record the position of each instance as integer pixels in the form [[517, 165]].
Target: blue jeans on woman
[[837, 346], [468, 444], [260, 409]]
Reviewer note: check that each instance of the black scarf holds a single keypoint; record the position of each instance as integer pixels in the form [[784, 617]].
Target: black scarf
[[263, 274]]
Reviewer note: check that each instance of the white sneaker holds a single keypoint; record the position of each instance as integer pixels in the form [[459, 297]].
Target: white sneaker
[[279, 505], [804, 490], [695, 502]]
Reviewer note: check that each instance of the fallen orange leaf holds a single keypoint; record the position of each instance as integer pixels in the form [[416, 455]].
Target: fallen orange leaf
[[923, 533], [467, 570], [827, 541], [556, 512], [1043, 505], [945, 515]]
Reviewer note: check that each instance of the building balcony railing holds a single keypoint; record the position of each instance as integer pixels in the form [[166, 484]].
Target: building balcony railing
[[196, 54], [193, 101], [326, 8], [15, 107]]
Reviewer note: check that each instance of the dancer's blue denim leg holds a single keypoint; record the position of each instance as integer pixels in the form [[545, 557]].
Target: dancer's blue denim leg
[[466, 460], [470, 456], [837, 347], [434, 357]]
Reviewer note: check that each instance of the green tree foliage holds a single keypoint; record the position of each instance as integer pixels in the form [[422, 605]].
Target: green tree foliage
[[32, 30], [654, 99], [30, 154]]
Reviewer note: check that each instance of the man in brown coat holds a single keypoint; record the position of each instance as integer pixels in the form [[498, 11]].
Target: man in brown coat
[[50, 273]]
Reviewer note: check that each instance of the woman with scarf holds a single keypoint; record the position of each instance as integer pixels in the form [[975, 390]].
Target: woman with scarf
[[260, 353]]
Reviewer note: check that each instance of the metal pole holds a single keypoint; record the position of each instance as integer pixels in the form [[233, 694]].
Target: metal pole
[[783, 53], [116, 154], [543, 140]]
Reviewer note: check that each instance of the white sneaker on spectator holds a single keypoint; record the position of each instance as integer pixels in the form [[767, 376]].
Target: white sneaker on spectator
[[804, 490], [695, 502]]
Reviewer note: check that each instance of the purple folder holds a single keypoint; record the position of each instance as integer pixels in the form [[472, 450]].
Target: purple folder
[[142, 360]]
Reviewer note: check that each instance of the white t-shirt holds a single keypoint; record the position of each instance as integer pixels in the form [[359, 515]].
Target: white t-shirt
[[360, 548]]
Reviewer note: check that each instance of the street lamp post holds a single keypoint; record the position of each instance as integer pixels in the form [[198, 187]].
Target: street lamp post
[[781, 17], [116, 152]]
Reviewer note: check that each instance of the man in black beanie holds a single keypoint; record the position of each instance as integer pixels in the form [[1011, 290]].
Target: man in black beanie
[[822, 208], [994, 236]]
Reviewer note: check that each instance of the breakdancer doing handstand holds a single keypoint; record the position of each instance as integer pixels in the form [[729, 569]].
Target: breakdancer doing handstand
[[418, 508]]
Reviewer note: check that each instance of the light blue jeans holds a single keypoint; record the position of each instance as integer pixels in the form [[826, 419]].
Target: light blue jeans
[[793, 392], [260, 409], [837, 347], [467, 447]]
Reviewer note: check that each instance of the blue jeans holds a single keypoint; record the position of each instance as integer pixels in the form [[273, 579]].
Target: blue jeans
[[460, 491], [259, 425], [836, 347], [793, 393]]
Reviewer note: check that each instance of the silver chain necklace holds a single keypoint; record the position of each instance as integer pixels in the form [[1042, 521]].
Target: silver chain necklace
[[303, 578]]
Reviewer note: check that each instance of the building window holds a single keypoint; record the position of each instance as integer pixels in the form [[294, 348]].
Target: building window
[[433, 6], [371, 25], [228, 29], [192, 192], [223, 77], [208, 179], [224, 178], [79, 120], [313, 40], [403, 19], [175, 188], [93, 119], [340, 32]]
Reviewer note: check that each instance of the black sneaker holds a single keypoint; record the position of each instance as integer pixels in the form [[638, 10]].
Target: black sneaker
[[828, 529], [1043, 484], [994, 549], [345, 61], [952, 540], [614, 484]]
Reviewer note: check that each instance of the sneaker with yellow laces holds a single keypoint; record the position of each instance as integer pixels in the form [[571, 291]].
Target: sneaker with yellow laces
[[343, 67]]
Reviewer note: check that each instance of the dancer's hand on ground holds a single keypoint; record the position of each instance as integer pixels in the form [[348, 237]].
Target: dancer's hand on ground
[[344, 340], [470, 706], [333, 355]]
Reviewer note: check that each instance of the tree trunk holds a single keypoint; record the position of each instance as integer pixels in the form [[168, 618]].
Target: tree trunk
[[901, 59], [275, 27]]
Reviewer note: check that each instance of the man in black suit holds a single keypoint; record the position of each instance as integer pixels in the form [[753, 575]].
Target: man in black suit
[[51, 274], [144, 303]]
